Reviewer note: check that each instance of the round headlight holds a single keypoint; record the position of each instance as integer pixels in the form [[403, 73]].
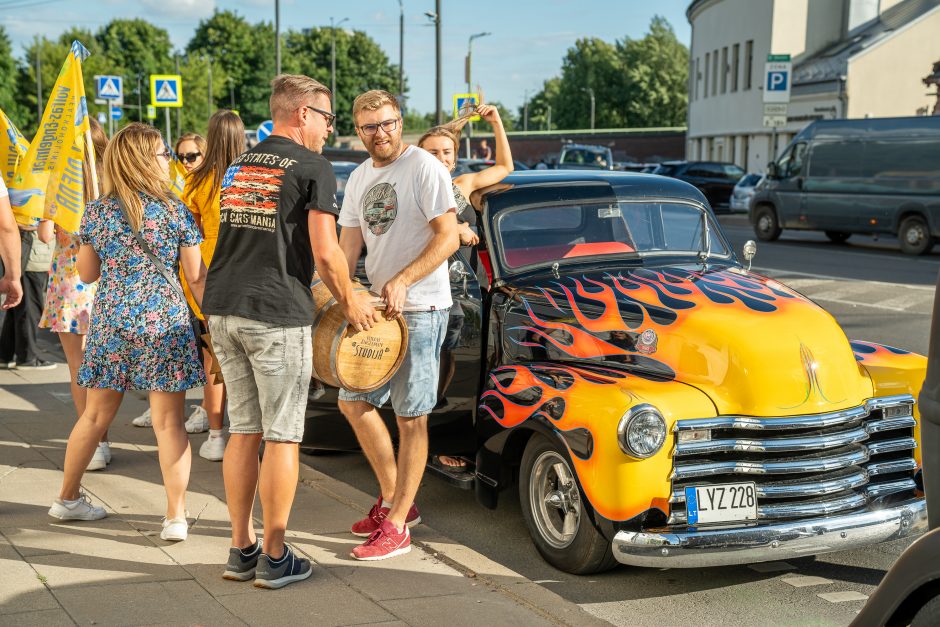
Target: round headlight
[[642, 431]]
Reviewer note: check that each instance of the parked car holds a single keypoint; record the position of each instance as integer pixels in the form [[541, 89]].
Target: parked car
[[342, 170], [715, 179], [251, 138], [656, 403], [585, 157], [876, 175], [743, 192], [475, 165]]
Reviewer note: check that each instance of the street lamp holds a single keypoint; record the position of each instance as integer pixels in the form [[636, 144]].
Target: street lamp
[[469, 82], [333, 60], [590, 92], [435, 18], [401, 51]]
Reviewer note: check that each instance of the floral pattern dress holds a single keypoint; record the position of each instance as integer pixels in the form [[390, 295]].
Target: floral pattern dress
[[68, 299], [140, 337]]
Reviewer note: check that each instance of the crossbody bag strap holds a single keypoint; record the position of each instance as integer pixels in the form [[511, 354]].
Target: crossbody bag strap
[[149, 252]]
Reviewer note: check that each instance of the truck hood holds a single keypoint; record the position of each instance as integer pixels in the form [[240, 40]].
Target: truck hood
[[753, 345]]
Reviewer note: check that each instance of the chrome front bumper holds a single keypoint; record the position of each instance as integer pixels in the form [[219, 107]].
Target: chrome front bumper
[[694, 548]]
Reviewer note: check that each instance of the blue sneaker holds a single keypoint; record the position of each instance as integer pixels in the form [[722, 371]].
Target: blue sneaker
[[273, 574], [241, 565]]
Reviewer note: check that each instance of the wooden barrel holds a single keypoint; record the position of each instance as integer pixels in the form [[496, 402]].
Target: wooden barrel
[[359, 362]]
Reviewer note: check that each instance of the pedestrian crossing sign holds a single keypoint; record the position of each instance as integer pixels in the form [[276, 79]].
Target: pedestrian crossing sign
[[464, 104], [166, 90], [110, 87]]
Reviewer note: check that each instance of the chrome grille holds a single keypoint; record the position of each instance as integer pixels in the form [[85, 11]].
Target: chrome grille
[[802, 466]]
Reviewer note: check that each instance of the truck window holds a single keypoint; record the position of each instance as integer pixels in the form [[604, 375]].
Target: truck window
[[902, 159], [791, 164], [839, 159], [574, 156]]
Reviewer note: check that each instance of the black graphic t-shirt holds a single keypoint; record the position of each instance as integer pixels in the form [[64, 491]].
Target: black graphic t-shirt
[[263, 265]]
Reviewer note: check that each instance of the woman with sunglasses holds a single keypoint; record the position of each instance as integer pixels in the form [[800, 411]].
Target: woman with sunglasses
[[225, 141], [140, 337], [444, 143], [191, 150], [67, 310]]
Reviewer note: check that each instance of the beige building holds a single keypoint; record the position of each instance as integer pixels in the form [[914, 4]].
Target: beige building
[[851, 58]]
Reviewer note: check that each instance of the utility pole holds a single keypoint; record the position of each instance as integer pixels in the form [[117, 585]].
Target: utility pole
[[140, 109], [525, 111], [549, 118], [39, 86], [401, 51], [209, 105], [590, 92], [179, 121], [469, 84], [436, 19], [277, 37], [333, 60]]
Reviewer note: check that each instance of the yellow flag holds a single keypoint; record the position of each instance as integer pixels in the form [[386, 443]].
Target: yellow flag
[[49, 182], [13, 147], [177, 177]]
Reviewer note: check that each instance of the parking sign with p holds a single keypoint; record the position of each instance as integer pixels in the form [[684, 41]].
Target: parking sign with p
[[777, 78]]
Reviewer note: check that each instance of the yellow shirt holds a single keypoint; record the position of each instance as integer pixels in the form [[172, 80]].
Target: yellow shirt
[[205, 205]]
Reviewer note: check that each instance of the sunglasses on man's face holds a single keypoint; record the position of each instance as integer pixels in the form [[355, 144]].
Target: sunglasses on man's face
[[189, 157]]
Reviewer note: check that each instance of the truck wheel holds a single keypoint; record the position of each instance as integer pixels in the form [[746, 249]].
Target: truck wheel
[[914, 236], [766, 226], [928, 615], [558, 517], [838, 237]]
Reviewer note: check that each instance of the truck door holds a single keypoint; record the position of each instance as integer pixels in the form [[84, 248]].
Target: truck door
[[788, 188], [832, 197]]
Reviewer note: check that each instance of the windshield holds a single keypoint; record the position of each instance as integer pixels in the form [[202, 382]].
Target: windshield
[[549, 234]]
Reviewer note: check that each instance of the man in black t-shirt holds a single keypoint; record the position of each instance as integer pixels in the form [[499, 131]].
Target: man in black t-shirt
[[278, 220]]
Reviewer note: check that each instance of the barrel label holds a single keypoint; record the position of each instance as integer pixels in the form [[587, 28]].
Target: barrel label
[[370, 347]]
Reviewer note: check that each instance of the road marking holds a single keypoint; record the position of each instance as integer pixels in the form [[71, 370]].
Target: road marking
[[771, 567], [802, 581], [842, 597]]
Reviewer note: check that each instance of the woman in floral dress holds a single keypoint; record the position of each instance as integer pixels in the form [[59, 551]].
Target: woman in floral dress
[[140, 337], [67, 309]]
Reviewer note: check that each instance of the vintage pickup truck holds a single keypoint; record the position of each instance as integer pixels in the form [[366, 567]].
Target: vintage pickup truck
[[657, 403]]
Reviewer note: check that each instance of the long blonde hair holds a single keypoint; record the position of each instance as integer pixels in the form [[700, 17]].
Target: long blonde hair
[[226, 140], [131, 168], [451, 131], [100, 142]]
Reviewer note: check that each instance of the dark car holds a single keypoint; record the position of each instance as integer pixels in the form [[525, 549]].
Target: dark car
[[715, 179], [342, 170], [585, 157], [476, 165], [654, 402]]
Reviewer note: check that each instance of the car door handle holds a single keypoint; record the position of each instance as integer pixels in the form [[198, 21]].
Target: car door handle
[[799, 182]]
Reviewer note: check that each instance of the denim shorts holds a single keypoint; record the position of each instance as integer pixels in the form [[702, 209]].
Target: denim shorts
[[413, 389], [267, 369]]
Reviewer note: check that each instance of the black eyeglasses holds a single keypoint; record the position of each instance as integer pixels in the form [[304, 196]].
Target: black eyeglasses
[[330, 117], [189, 157], [387, 125]]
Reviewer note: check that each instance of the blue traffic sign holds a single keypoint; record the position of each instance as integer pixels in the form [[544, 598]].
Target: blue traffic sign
[[166, 90], [116, 113], [777, 80], [265, 129], [110, 87]]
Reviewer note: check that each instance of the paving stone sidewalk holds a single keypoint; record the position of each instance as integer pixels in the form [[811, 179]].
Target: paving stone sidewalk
[[117, 571]]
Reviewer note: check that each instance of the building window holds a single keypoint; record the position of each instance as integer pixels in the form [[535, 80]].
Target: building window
[[698, 77], [735, 66], [715, 72], [708, 57], [724, 70], [748, 63]]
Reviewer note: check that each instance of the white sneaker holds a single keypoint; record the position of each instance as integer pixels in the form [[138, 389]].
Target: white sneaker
[[101, 458], [174, 529], [143, 420], [79, 509], [198, 421], [213, 449]]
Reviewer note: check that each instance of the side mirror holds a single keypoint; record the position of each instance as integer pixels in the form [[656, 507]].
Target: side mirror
[[459, 275], [750, 250], [772, 171]]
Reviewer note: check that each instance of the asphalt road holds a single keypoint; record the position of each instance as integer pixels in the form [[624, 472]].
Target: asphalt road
[[877, 294]]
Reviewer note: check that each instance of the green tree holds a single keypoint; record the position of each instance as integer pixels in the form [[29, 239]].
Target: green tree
[[656, 71], [8, 82], [50, 57], [360, 65], [136, 47], [591, 63], [541, 107], [507, 116], [197, 109]]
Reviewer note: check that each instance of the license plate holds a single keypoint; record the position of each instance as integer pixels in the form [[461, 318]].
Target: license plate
[[727, 502]]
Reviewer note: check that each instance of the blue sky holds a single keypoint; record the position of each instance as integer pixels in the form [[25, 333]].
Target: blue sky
[[529, 37]]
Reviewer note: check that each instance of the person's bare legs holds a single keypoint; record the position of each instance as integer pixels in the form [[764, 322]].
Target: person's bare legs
[[412, 457], [375, 441], [279, 473], [240, 473], [100, 408], [166, 411], [73, 345], [213, 395]]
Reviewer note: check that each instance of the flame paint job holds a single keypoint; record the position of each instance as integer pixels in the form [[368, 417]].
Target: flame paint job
[[572, 398]]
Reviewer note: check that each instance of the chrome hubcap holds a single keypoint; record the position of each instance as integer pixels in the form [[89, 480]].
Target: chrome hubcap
[[554, 499], [764, 223], [915, 235]]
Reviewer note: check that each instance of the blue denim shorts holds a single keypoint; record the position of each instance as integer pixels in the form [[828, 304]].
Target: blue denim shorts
[[413, 389]]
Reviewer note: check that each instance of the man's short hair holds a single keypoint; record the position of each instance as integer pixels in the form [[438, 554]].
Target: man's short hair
[[373, 100], [289, 92]]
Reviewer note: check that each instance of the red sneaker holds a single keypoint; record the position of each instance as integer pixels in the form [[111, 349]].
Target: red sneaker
[[384, 543], [368, 525]]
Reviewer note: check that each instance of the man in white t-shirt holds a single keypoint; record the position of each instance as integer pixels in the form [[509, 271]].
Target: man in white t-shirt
[[400, 204], [11, 290]]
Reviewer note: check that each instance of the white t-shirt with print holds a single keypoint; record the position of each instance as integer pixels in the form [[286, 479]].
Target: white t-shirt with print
[[3, 188], [393, 206]]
